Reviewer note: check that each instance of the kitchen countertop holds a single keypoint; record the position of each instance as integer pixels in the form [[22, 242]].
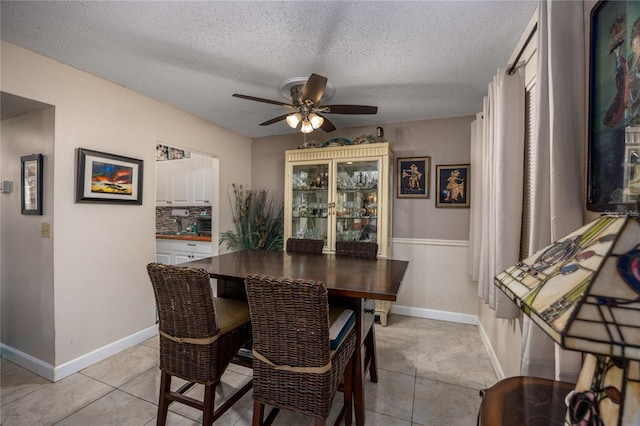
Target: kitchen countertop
[[185, 237]]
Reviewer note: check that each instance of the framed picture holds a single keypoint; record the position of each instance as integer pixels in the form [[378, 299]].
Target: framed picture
[[31, 184], [452, 185], [412, 177], [108, 178], [614, 107]]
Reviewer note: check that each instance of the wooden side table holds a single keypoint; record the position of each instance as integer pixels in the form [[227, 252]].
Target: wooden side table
[[526, 401]]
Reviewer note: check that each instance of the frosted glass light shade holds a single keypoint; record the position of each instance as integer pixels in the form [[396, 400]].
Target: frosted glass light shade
[[316, 120], [306, 127], [293, 120]]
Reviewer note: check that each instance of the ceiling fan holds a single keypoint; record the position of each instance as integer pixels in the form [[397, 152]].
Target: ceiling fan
[[305, 104]]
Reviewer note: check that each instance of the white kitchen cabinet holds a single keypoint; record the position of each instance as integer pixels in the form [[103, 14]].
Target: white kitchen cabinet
[[340, 193], [163, 258], [173, 182], [175, 252], [201, 176], [184, 182]]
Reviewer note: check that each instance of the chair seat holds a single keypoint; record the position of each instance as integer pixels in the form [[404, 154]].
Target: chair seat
[[231, 314], [341, 321]]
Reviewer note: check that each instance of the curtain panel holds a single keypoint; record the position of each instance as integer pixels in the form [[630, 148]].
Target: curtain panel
[[558, 161], [496, 213]]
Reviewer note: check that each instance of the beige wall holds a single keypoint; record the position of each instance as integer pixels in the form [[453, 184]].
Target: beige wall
[[446, 141], [28, 305], [434, 241], [100, 288]]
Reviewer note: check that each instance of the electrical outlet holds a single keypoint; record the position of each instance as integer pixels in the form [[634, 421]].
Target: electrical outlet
[[45, 230]]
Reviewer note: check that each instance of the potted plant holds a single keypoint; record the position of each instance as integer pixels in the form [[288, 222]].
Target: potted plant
[[258, 218]]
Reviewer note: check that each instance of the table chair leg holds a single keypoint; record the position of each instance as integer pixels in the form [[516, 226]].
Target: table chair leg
[[370, 354]]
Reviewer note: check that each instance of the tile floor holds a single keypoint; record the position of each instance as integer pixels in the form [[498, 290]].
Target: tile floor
[[429, 373]]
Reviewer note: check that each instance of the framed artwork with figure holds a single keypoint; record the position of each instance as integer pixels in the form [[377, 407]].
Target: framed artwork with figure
[[614, 108], [412, 177], [452, 185]]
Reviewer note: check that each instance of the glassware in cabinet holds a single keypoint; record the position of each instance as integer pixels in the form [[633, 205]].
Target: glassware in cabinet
[[310, 202], [357, 200]]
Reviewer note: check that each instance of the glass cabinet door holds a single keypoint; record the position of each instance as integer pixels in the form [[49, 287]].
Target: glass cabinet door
[[310, 201], [356, 203]]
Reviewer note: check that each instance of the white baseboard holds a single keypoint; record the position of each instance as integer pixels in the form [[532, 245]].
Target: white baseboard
[[492, 355], [54, 374], [434, 314]]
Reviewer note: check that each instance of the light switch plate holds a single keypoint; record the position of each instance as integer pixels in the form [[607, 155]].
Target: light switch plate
[[45, 230]]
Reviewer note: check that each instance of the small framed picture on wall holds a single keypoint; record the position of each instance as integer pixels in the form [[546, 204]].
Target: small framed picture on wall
[[31, 184], [412, 177], [452, 185]]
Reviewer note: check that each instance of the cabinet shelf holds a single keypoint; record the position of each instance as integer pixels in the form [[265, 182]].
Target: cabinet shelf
[[352, 190], [309, 217], [358, 217]]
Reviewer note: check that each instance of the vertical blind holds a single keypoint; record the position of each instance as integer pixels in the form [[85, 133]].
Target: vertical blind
[[527, 194]]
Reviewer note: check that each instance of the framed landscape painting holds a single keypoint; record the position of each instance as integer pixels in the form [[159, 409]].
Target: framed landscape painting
[[412, 176], [108, 178], [452, 185]]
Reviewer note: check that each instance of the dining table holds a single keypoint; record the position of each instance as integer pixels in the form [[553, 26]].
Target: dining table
[[353, 282]]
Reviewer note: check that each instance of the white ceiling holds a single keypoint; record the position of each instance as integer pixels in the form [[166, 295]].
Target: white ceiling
[[414, 60]]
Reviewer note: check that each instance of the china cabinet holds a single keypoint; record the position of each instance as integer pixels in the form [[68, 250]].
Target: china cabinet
[[340, 193]]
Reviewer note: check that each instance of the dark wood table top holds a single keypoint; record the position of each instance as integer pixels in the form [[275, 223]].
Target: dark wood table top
[[344, 276], [526, 401]]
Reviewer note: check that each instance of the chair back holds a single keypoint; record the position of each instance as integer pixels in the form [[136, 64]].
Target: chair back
[[290, 320], [362, 249], [294, 367], [303, 245], [186, 311]]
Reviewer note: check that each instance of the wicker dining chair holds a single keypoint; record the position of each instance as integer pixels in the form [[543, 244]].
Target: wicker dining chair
[[199, 335], [364, 250], [294, 367], [303, 245]]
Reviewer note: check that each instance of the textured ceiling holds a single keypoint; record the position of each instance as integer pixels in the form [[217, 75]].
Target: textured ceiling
[[414, 60]]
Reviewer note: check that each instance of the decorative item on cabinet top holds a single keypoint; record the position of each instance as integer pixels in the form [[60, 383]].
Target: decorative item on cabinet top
[[342, 141]]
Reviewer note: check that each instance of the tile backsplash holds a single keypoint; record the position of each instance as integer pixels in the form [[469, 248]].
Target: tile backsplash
[[166, 223]]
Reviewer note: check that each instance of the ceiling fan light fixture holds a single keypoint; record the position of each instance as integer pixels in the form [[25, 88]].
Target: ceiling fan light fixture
[[316, 120], [293, 120], [306, 127]]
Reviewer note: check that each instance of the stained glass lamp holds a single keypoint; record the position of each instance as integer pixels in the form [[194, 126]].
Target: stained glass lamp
[[584, 292]]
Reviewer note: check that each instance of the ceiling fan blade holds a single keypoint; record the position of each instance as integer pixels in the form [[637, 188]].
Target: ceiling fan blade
[[274, 120], [314, 89], [327, 125], [350, 109], [266, 101]]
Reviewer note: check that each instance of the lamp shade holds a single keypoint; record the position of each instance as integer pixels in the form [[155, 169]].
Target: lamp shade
[[584, 289], [584, 292]]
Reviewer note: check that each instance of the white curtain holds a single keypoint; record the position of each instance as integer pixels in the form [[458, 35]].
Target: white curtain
[[558, 161], [496, 212]]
